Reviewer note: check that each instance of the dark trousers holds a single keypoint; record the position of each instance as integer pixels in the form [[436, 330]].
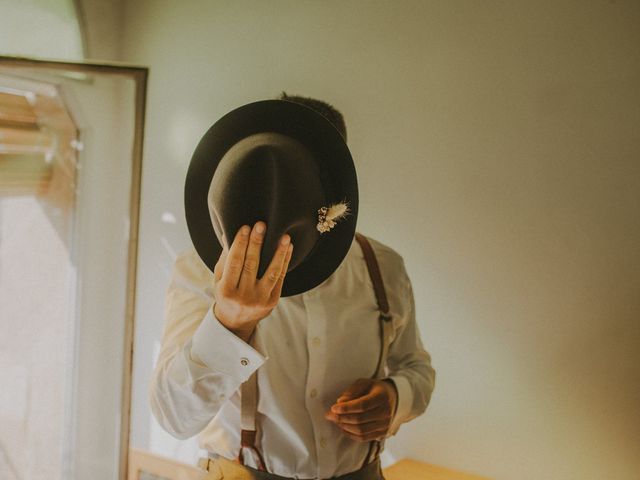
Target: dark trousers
[[221, 468]]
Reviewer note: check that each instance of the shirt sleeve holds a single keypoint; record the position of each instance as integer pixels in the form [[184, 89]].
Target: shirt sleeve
[[409, 364], [201, 364]]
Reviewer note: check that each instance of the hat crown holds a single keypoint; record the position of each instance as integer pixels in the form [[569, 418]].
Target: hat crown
[[274, 178]]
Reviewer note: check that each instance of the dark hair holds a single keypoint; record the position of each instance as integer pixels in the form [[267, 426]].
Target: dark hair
[[323, 108]]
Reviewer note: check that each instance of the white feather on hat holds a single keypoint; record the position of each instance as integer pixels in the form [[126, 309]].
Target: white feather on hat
[[328, 216]]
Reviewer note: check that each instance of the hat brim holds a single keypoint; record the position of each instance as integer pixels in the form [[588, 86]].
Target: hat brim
[[320, 137]]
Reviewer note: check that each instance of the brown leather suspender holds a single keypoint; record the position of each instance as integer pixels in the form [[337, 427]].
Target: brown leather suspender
[[249, 389], [248, 410], [386, 326], [374, 274]]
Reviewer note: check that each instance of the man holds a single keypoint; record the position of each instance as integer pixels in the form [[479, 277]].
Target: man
[[276, 358]]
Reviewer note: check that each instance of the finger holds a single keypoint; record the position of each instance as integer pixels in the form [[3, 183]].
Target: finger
[[378, 435], [363, 429], [272, 275], [357, 389], [252, 258], [362, 404], [332, 417], [377, 415], [277, 288], [235, 258]]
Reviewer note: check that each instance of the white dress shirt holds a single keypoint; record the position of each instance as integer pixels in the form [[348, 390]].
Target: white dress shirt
[[307, 352]]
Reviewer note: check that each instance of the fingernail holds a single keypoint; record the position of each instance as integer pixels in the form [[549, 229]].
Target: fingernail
[[260, 227], [285, 240], [244, 231]]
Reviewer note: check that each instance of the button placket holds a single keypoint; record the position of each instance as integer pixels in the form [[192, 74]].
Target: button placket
[[316, 347], [315, 329]]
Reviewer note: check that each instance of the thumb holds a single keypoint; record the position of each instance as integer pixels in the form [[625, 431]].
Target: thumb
[[357, 389]]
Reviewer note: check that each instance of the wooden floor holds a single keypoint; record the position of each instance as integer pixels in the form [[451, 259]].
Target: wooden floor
[[145, 465], [407, 469]]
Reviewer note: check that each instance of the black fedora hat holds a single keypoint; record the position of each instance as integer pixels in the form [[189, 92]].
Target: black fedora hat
[[282, 163]]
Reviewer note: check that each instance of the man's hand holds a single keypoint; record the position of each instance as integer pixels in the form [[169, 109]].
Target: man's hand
[[365, 410], [242, 299]]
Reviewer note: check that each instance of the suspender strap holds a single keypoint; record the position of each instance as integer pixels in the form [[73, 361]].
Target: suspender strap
[[248, 403], [374, 274], [386, 327], [248, 409]]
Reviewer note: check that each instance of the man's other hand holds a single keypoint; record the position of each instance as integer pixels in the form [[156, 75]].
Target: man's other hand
[[365, 410], [242, 299]]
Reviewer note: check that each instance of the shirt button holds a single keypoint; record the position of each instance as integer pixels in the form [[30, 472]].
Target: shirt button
[[323, 442], [315, 341], [313, 393], [244, 361]]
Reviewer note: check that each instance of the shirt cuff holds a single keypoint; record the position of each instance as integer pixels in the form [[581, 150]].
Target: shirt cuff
[[404, 402], [222, 351]]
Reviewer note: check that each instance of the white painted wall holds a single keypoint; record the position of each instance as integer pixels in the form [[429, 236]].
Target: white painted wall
[[102, 23], [40, 28], [498, 151]]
